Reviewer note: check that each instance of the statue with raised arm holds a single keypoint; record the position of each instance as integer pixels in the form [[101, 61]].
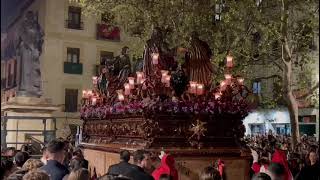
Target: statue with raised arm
[[29, 49], [157, 45], [122, 66]]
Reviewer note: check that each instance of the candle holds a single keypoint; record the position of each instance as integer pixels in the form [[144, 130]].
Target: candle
[[95, 80], [131, 82], [89, 93], [167, 80], [126, 88], [228, 78], [217, 96], [164, 73], [120, 96], [193, 87], [200, 89], [229, 61], [84, 94], [139, 77], [240, 80], [155, 58], [223, 85], [94, 101]]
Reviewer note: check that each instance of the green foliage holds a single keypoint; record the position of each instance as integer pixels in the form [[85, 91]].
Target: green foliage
[[252, 33]]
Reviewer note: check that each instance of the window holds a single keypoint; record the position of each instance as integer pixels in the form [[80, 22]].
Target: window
[[71, 100], [218, 11], [307, 119], [74, 18], [73, 55], [256, 88]]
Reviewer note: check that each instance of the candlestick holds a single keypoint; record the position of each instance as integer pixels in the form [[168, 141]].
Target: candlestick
[[200, 89], [155, 58], [131, 82], [229, 61], [95, 80], [228, 78], [94, 101], [126, 89], [139, 77], [167, 80], [164, 73], [193, 87], [223, 85], [240, 80]]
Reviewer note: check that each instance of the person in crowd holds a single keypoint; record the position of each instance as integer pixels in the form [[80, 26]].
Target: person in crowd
[[312, 170], [56, 155], [259, 166], [83, 162], [79, 174], [113, 177], [10, 152], [142, 161], [210, 173], [167, 167], [277, 171], [20, 158], [36, 175], [165, 177], [44, 157], [123, 167], [261, 176], [7, 167], [280, 157], [32, 164]]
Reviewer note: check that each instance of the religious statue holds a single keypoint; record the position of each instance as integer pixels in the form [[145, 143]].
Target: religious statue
[[29, 49], [122, 66], [197, 61], [103, 81], [157, 45]]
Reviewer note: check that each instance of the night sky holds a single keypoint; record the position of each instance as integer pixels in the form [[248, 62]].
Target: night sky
[[10, 10]]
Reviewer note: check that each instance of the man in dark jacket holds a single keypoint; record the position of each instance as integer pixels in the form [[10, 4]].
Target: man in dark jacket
[[142, 161], [56, 155], [123, 167]]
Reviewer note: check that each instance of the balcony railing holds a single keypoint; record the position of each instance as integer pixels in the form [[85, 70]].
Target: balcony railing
[[72, 68], [72, 25]]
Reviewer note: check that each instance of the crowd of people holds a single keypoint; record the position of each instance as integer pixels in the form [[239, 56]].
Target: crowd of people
[[273, 159], [275, 153]]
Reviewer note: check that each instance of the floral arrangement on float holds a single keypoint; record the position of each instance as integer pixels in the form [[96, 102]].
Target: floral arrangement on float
[[165, 92]]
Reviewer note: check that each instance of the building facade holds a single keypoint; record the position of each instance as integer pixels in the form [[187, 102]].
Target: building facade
[[74, 47]]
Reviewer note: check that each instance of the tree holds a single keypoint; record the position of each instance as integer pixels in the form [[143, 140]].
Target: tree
[[271, 32]]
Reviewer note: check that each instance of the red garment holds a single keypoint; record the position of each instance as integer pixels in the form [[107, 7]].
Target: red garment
[[279, 156], [256, 167], [166, 167], [220, 167]]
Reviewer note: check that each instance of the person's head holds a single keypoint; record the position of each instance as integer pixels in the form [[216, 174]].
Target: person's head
[[36, 175], [80, 174], [20, 158], [10, 151], [210, 173], [6, 167], [277, 171], [261, 176], [56, 150], [312, 157], [125, 156], [125, 50], [142, 158], [32, 164], [165, 177]]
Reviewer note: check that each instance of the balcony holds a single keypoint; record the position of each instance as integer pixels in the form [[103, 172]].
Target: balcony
[[72, 68], [72, 25], [108, 32]]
